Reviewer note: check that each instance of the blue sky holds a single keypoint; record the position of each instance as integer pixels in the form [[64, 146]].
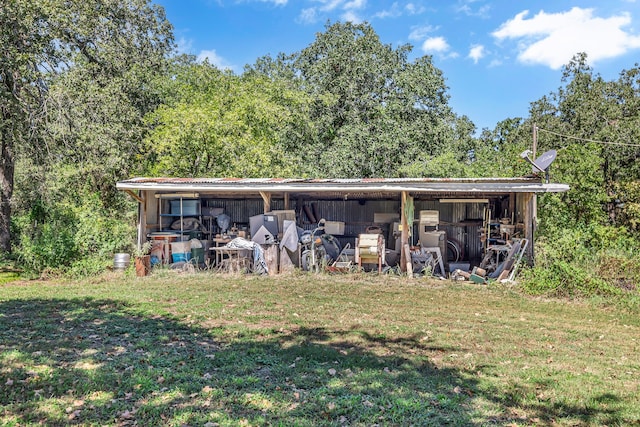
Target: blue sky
[[497, 56]]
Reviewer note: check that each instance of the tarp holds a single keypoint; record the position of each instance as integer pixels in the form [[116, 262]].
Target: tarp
[[259, 264]]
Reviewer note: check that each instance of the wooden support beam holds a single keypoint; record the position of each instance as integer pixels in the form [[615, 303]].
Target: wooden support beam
[[404, 236], [286, 201], [530, 222], [142, 221], [266, 200], [512, 208], [300, 211], [135, 196]]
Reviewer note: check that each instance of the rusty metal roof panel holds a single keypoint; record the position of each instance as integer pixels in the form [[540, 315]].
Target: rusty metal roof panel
[[322, 180], [328, 180], [366, 185]]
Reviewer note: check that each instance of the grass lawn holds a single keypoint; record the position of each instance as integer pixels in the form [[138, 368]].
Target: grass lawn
[[213, 350]]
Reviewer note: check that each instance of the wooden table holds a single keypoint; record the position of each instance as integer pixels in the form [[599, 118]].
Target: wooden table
[[221, 241], [232, 260]]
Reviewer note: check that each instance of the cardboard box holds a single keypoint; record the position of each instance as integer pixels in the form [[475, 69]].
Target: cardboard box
[[430, 218], [382, 218], [282, 216]]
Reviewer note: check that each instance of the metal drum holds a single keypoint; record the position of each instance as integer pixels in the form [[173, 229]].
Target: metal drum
[[121, 261]]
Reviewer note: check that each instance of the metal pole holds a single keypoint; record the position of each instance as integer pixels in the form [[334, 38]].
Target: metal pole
[[535, 140]]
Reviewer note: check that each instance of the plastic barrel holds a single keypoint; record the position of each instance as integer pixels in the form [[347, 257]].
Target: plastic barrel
[[121, 261], [195, 234], [197, 255]]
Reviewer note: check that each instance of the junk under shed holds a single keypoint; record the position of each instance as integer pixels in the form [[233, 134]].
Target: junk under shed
[[425, 225]]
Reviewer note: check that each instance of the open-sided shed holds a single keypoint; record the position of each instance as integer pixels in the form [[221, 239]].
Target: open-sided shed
[[468, 208]]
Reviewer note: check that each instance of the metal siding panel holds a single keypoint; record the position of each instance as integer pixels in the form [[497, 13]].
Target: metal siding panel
[[459, 212], [467, 236], [474, 247], [475, 210], [357, 216], [238, 210], [473, 244]]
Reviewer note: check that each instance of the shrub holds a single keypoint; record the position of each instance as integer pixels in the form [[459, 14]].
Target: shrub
[[45, 242], [585, 261], [78, 240]]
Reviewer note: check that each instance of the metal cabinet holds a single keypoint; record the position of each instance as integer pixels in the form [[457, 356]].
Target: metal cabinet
[[179, 209]]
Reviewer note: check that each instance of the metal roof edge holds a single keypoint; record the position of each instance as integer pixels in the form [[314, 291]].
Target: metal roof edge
[[491, 185]]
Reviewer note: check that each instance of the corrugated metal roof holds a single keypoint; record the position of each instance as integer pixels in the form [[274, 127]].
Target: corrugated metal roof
[[364, 185], [319, 180]]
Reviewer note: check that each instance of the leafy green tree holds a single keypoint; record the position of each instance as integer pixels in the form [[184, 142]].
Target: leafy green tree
[[374, 111], [586, 243], [215, 123], [70, 71], [594, 125], [497, 151]]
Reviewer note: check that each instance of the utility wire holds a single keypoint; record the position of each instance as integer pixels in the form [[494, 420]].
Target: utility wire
[[588, 140]]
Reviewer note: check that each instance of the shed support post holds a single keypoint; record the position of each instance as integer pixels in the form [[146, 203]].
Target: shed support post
[[286, 201], [530, 218], [404, 236], [142, 218], [512, 208], [266, 200]]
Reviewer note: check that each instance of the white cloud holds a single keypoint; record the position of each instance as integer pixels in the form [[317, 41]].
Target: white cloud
[[413, 9], [432, 45], [329, 5], [552, 39], [420, 33], [476, 53], [183, 45], [276, 2], [355, 4], [214, 59], [349, 10], [396, 11], [351, 16], [465, 7], [308, 16], [393, 12], [435, 44]]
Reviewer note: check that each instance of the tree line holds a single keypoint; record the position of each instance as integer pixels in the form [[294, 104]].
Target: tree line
[[92, 92]]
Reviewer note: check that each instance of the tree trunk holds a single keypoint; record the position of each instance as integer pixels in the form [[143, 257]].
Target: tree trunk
[[7, 167]]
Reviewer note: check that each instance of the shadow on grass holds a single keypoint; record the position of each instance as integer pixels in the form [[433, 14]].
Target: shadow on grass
[[102, 362]]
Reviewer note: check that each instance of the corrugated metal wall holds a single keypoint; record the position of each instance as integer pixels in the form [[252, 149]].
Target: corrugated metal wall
[[467, 236], [473, 244], [359, 214], [240, 210]]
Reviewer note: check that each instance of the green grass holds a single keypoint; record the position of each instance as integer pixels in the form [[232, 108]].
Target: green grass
[[206, 350]]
